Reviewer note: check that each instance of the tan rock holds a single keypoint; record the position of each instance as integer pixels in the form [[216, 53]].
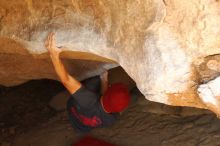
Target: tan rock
[[59, 101], [163, 45]]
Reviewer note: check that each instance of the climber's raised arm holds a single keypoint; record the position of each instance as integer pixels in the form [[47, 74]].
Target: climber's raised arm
[[104, 81], [71, 84]]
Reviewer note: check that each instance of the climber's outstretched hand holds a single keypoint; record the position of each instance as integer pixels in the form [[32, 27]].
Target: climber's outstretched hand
[[50, 44]]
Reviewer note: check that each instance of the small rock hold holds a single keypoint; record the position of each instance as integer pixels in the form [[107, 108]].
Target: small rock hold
[[187, 126], [213, 65]]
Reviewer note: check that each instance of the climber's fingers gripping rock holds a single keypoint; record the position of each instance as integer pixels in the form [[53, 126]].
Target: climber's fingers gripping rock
[[50, 44]]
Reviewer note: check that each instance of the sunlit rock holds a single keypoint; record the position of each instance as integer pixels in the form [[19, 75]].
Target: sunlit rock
[[163, 45]]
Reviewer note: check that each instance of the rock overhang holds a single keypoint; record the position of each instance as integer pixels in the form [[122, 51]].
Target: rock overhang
[[160, 44]]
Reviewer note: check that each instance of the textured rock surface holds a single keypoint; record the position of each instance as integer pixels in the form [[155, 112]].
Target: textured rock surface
[[164, 45]]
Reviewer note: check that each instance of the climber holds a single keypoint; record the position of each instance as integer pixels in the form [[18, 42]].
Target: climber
[[92, 103]]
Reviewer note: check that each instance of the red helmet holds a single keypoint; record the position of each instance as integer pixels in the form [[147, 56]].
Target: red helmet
[[116, 98]]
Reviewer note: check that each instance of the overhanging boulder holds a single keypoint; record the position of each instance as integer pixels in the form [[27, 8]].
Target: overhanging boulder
[[163, 45]]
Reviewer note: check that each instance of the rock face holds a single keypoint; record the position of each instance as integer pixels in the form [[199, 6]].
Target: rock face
[[165, 46]]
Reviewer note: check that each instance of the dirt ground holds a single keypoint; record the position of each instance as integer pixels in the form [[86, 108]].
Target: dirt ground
[[25, 106], [27, 120]]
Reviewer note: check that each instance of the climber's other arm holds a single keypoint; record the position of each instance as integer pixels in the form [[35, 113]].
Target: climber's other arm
[[104, 82]]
